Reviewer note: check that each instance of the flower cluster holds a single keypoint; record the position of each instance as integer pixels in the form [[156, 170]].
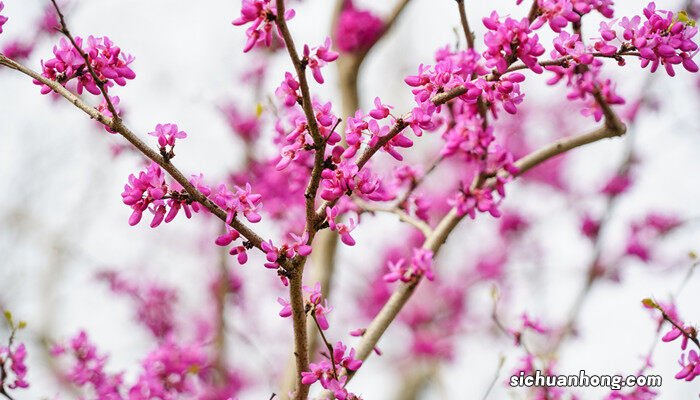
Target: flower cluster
[[345, 179], [261, 14], [88, 367], [327, 372], [149, 190], [357, 29], [245, 126], [13, 359], [462, 69], [242, 201], [166, 370], [361, 130], [581, 73], [662, 39], [167, 134], [106, 60], [275, 256], [421, 264], [510, 40], [155, 303], [169, 371], [645, 233]]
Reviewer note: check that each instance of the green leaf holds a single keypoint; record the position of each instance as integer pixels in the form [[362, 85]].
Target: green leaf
[[649, 303], [22, 325], [8, 317], [685, 18]]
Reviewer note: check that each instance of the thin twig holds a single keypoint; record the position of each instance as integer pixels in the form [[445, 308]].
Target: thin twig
[[329, 346], [415, 183], [403, 216], [468, 34]]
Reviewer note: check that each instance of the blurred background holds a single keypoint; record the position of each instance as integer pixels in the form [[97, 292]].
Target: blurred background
[[62, 220]]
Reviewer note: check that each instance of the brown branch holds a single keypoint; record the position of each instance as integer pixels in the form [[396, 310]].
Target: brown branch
[[300, 68], [301, 345], [534, 11], [140, 145], [468, 34], [328, 345], [441, 232]]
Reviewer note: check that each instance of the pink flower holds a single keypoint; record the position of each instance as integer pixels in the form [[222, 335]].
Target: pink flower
[[557, 13], [49, 22], [286, 308], [167, 371], [261, 14], [690, 368], [17, 50], [336, 183], [289, 90], [245, 126], [511, 38], [380, 110], [617, 185], [300, 245], [590, 227], [88, 368], [357, 29], [342, 229], [602, 6], [320, 57], [103, 107], [243, 201], [272, 254], [18, 367], [320, 311], [167, 134], [328, 374], [421, 265], [662, 39], [3, 18], [155, 303]]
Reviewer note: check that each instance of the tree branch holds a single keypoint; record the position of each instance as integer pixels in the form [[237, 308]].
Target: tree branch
[[140, 145], [403, 216], [468, 34], [441, 232]]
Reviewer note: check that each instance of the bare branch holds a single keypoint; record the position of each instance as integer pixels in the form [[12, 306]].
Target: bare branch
[[468, 34]]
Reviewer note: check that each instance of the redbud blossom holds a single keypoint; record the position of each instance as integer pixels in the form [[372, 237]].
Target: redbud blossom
[[356, 29], [261, 14]]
